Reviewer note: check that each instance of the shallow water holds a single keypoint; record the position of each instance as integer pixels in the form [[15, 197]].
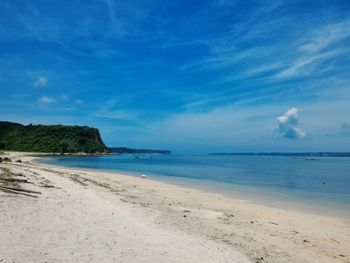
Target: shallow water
[[323, 184]]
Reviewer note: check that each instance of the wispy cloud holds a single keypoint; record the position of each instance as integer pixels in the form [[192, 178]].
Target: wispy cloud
[[46, 99], [320, 45], [257, 55], [293, 62], [242, 40], [41, 82], [115, 114], [117, 26], [82, 32], [326, 36], [112, 109], [65, 98], [304, 65]]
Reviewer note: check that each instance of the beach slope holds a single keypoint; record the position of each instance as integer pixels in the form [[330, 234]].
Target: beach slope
[[69, 215]]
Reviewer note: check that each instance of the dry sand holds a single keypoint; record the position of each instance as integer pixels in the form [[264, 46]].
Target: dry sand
[[85, 216]]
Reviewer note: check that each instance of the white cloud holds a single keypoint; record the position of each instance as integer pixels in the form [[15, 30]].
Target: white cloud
[[243, 128], [288, 125], [46, 99], [41, 82], [78, 101]]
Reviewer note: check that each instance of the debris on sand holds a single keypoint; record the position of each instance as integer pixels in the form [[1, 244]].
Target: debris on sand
[[10, 183]]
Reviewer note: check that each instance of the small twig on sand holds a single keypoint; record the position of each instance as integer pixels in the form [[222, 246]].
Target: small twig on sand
[[49, 186], [334, 240]]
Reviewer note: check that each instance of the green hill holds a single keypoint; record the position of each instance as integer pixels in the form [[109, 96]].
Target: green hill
[[50, 138]]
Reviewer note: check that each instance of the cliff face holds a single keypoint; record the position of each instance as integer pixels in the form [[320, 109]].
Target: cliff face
[[50, 138]]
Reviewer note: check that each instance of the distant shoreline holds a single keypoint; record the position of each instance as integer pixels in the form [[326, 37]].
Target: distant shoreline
[[127, 150], [291, 154]]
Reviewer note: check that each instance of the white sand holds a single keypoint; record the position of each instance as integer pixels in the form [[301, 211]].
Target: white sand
[[104, 217]]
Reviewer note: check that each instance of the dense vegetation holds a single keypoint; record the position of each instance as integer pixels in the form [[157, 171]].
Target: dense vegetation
[[50, 138], [130, 150]]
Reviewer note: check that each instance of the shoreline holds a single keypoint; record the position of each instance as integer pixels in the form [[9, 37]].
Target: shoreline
[[271, 197], [265, 197], [237, 227]]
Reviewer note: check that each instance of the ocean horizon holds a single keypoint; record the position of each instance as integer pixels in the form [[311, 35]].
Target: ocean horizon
[[318, 184]]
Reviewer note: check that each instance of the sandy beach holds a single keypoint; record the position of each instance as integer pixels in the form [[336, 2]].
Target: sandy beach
[[71, 215]]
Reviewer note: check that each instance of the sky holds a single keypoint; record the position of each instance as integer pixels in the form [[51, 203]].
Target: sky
[[190, 76]]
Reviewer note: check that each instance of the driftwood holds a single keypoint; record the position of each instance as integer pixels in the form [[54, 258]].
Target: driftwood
[[14, 180], [334, 240], [19, 189], [49, 186], [10, 184], [4, 189]]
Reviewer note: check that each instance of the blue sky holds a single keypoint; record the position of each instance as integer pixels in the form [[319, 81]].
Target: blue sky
[[191, 76]]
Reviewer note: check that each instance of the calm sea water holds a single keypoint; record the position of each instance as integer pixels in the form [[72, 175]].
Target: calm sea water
[[322, 183]]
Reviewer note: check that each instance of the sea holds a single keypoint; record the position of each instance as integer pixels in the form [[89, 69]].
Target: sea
[[318, 185]]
